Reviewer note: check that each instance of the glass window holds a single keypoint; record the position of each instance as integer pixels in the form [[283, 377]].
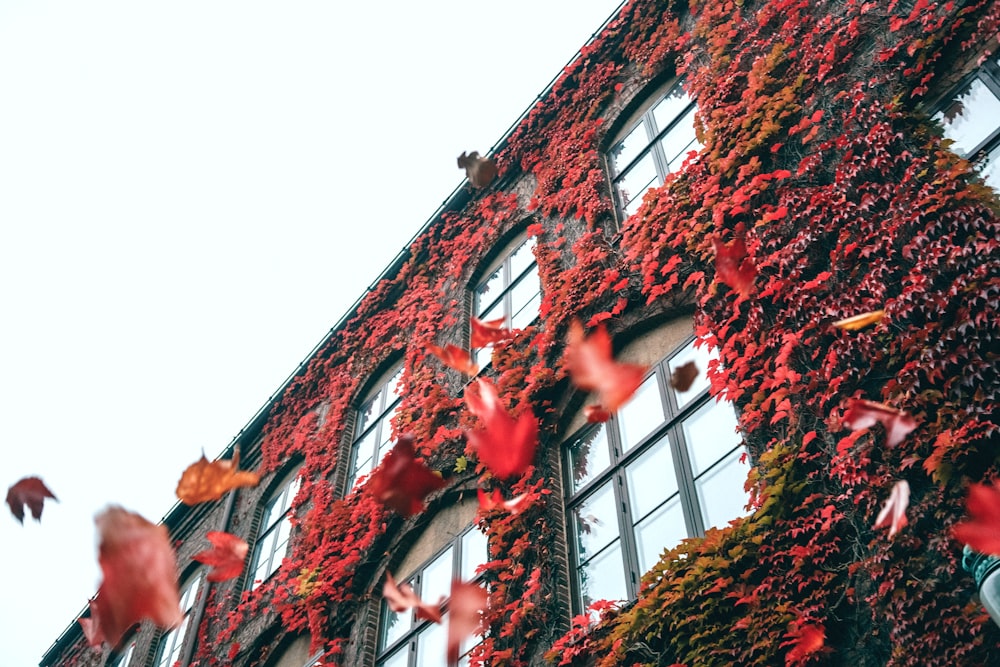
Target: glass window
[[667, 466], [275, 529], [406, 641], [971, 119], [512, 292], [169, 650], [123, 658], [373, 432], [655, 146]]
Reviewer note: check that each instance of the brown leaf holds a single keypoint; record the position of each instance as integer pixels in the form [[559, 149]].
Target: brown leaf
[[30, 491], [860, 321], [683, 376], [206, 480], [480, 171]]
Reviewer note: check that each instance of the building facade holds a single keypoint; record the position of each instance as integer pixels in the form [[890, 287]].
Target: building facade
[[713, 182]]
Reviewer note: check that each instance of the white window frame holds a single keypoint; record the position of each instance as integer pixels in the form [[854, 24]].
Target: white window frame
[[274, 535], [170, 647], [373, 429]]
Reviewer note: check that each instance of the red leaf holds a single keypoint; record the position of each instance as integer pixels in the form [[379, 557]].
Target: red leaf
[[226, 556], [140, 575], [401, 597], [465, 609], [504, 445], [982, 531], [863, 414], [489, 332], [205, 480], [480, 170], [30, 491], [454, 357], [592, 369], [495, 501], [733, 266], [401, 481], [683, 376], [807, 640], [893, 513], [91, 627], [596, 414]]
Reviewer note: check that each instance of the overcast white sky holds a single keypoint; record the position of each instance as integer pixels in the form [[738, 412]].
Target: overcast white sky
[[191, 195]]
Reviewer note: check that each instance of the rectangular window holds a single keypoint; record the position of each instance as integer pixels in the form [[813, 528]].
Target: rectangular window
[[169, 651], [667, 466], [373, 430], [512, 292], [275, 529]]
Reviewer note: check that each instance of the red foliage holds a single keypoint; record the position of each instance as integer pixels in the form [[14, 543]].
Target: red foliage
[[402, 481], [495, 501], [982, 530], [592, 368], [465, 610], [733, 266], [864, 414], [30, 491], [489, 332], [454, 357]]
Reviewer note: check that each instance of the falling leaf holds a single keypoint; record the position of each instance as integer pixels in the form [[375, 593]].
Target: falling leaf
[[864, 414], [495, 501], [683, 376], [140, 575], [982, 531], [480, 170], [807, 640], [733, 266], [465, 609], [860, 321], [454, 357], [488, 332], [401, 598], [596, 414], [893, 513], [592, 369], [401, 481], [226, 556], [206, 480], [30, 491], [506, 446], [91, 627]]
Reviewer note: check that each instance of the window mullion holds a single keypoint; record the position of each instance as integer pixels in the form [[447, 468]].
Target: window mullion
[[685, 480]]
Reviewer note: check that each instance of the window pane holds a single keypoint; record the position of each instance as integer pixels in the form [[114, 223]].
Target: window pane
[[431, 645], [394, 626], [603, 578], [394, 388], [474, 554], [435, 582], [720, 490], [651, 479], [367, 413], [522, 258], [642, 414], [711, 434], [397, 659], [522, 296], [672, 105], [679, 140], [629, 148], [634, 184], [528, 312], [364, 449], [700, 357], [596, 522], [488, 292], [662, 529], [588, 456], [970, 117], [990, 171]]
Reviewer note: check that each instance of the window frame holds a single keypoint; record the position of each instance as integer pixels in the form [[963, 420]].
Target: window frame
[[385, 651], [285, 494], [615, 476], [167, 656], [653, 145], [989, 75], [360, 430]]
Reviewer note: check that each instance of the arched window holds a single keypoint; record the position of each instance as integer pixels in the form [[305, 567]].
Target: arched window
[[124, 656], [652, 147], [450, 548], [373, 428], [511, 290], [271, 544], [168, 652], [971, 119], [667, 466]]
